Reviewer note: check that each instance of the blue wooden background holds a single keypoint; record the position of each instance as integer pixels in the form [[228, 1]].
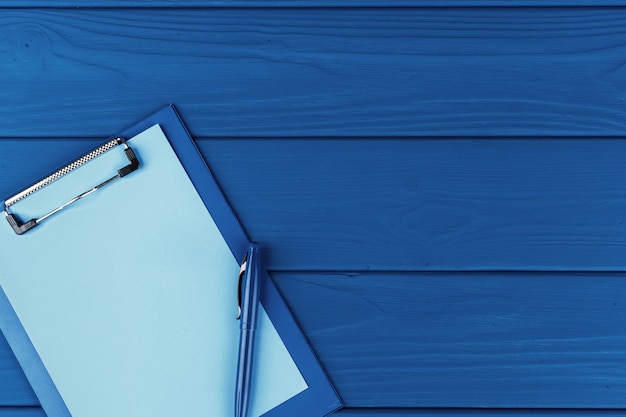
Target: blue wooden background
[[440, 185]]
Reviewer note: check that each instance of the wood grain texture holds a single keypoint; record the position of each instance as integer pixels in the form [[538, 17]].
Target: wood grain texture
[[423, 204], [389, 412], [429, 204], [316, 72], [301, 3], [38, 412], [529, 340]]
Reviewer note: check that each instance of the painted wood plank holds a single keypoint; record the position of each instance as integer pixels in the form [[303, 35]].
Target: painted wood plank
[[22, 412], [14, 388], [302, 3], [429, 204], [513, 340], [37, 412], [422, 204], [339, 72], [390, 412]]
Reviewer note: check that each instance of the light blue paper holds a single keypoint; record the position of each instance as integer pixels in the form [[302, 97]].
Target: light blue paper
[[129, 295]]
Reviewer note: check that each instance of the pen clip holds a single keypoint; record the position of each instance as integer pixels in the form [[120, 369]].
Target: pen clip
[[242, 273]]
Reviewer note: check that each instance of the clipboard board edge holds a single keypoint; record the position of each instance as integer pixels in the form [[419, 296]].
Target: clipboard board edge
[[30, 361], [320, 396]]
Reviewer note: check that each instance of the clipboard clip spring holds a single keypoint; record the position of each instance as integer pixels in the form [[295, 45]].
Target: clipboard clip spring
[[22, 227]]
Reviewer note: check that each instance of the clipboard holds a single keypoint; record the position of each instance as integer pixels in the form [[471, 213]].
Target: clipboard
[[125, 303]]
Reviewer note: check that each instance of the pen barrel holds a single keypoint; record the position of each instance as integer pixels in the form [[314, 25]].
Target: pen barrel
[[250, 293], [244, 373]]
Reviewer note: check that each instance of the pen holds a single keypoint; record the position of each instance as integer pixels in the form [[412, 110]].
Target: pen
[[248, 316]]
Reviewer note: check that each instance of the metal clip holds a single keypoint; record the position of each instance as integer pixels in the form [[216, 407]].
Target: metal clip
[[242, 272], [22, 227]]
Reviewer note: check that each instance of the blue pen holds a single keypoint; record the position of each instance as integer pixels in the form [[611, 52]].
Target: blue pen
[[248, 316]]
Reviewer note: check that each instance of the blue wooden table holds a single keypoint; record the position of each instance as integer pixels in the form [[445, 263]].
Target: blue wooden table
[[440, 186]]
